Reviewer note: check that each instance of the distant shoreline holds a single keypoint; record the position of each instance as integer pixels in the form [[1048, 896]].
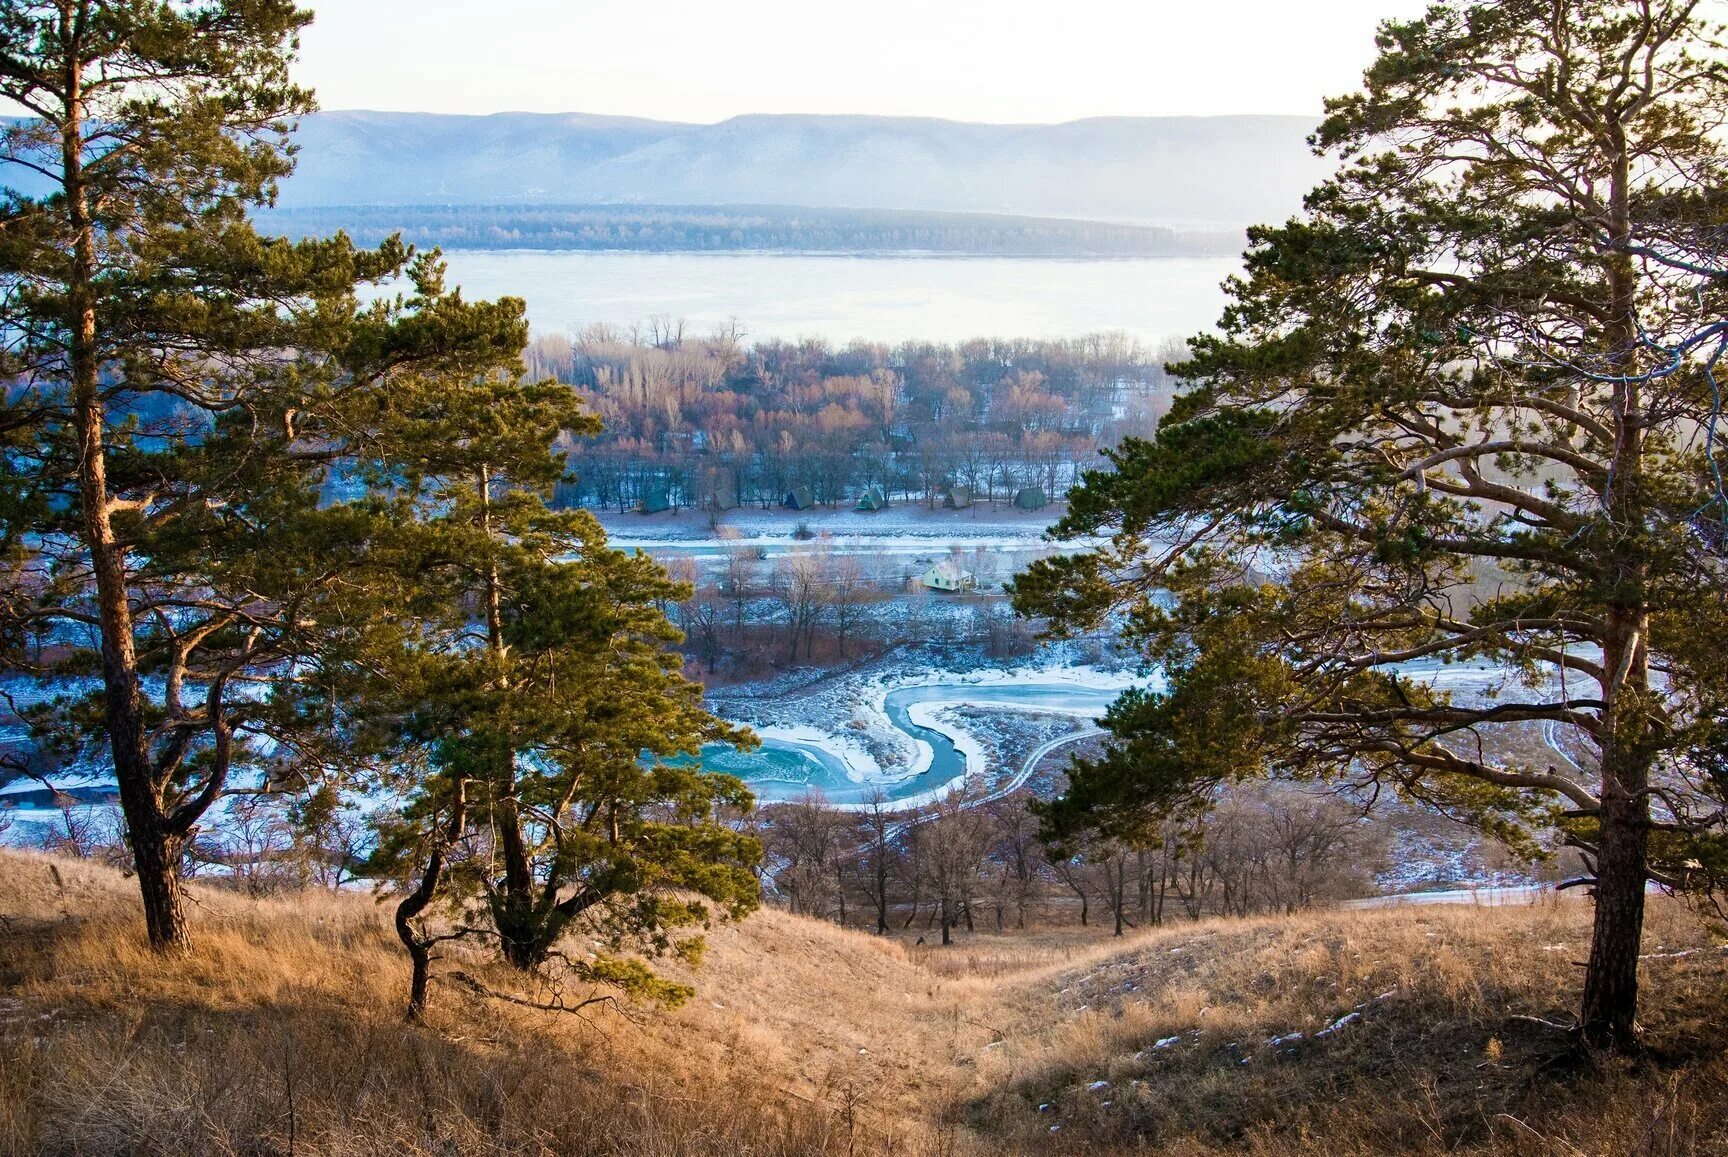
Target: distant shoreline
[[860, 254], [751, 230]]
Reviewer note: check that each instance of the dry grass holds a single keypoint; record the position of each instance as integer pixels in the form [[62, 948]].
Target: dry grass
[[1432, 1056], [282, 1034]]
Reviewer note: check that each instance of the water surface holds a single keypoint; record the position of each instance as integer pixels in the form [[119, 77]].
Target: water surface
[[838, 297]]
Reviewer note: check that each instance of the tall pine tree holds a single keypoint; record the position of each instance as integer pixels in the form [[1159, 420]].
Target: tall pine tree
[[543, 725], [178, 389], [1467, 408]]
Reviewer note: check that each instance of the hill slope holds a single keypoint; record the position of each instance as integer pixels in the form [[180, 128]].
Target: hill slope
[[1208, 171], [281, 1034]]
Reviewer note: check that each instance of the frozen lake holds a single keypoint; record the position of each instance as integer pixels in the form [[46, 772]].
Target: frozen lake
[[885, 299]]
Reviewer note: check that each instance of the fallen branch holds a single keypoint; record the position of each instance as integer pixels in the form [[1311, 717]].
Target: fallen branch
[[556, 1005], [1542, 1022]]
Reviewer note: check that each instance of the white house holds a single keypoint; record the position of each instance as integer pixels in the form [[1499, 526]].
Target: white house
[[947, 575]]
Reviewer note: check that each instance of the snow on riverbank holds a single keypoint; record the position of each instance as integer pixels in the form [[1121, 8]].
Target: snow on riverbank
[[944, 717], [861, 765], [1004, 524], [889, 725]]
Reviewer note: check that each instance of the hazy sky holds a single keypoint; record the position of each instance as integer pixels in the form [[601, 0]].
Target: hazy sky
[[701, 60]]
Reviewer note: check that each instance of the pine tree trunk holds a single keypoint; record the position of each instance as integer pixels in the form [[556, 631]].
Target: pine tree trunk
[[156, 859], [416, 902], [155, 851], [522, 936], [1609, 1014], [1608, 1017]]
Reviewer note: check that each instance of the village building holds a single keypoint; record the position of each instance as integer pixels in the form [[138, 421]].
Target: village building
[[949, 577]]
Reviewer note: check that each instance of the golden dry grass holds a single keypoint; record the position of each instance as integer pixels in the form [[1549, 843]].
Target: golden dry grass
[[282, 1033]]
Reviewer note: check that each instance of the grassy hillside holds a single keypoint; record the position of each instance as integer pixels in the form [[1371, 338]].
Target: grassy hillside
[[281, 1034]]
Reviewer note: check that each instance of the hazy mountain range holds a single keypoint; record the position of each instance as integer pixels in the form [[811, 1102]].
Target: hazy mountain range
[[1199, 172]]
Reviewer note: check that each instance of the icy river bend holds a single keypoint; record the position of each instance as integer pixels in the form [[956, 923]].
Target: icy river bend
[[794, 762], [787, 766]]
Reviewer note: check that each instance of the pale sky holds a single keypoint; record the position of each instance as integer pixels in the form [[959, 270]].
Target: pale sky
[[702, 60]]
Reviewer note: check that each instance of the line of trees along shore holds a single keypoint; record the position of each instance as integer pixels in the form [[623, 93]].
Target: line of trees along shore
[[743, 228], [711, 422]]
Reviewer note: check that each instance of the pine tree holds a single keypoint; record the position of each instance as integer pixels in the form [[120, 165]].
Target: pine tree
[[180, 390], [545, 728], [1465, 409]]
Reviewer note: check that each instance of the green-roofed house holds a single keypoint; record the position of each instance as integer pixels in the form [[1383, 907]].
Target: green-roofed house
[[1030, 498], [799, 498], [872, 499]]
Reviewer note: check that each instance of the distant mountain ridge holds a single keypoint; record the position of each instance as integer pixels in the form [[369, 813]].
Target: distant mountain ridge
[[1201, 172]]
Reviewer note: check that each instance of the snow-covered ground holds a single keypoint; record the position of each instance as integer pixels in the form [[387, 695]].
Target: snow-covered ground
[[1001, 524]]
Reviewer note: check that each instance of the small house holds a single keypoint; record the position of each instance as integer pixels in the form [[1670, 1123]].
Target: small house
[[949, 576], [872, 499], [957, 498], [653, 501], [1030, 498]]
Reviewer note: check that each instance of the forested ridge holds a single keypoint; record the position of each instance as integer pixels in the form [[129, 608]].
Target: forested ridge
[[745, 228]]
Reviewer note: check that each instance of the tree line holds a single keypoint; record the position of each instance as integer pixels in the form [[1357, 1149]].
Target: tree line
[[710, 422], [745, 614], [982, 864], [743, 228]]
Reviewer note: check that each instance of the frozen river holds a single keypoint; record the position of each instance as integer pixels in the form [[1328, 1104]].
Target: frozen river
[[890, 298], [794, 762], [789, 766], [786, 768]]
